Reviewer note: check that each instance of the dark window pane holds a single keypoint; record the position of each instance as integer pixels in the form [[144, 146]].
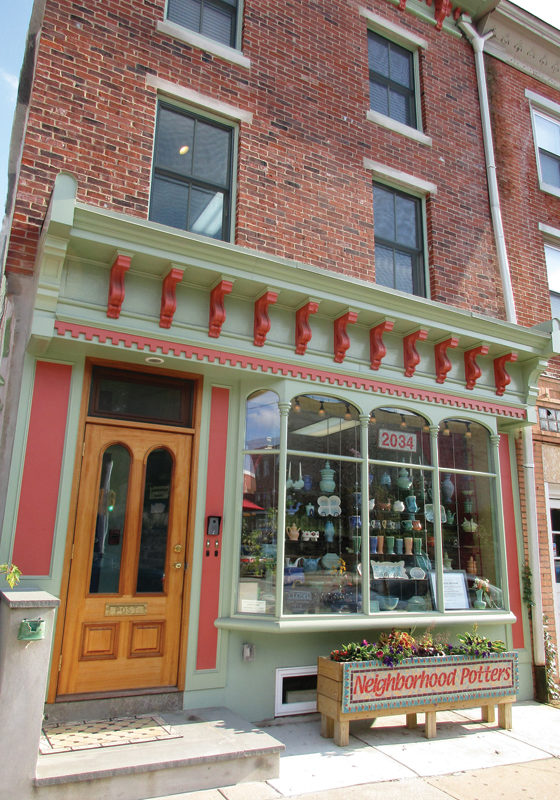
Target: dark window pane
[[121, 395], [378, 54], [185, 12], [155, 521], [206, 213], [384, 213], [399, 107], [169, 203], [211, 155], [384, 271], [403, 272], [379, 98], [217, 23], [401, 62], [405, 210], [110, 521], [550, 169], [174, 142]]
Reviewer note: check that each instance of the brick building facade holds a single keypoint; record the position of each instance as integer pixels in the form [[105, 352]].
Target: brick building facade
[[246, 252]]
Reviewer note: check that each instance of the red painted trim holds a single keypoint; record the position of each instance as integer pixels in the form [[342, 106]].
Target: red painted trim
[[377, 349], [116, 286], [41, 470], [501, 377], [169, 297], [341, 338], [303, 329], [261, 320], [147, 344], [215, 484], [217, 313], [443, 364], [472, 370], [514, 579], [410, 353]]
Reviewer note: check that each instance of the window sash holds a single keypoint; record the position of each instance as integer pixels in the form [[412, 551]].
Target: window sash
[[197, 16], [392, 88], [398, 248], [188, 185]]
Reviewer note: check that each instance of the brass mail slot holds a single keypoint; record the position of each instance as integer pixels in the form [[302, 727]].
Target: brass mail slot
[[125, 609]]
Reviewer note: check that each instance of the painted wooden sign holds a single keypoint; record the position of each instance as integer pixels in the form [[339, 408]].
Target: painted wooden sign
[[369, 686]]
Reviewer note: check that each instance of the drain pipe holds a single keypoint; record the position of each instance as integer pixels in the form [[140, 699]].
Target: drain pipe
[[477, 41]]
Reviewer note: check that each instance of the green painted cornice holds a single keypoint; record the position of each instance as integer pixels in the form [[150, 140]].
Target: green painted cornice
[[98, 233]]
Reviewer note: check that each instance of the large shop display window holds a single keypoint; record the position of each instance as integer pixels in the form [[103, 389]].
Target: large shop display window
[[377, 515]]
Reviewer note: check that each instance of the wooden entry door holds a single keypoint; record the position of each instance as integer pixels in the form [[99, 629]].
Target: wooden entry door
[[123, 617]]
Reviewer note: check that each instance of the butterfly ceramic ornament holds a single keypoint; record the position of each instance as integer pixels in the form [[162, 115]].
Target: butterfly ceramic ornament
[[329, 506]]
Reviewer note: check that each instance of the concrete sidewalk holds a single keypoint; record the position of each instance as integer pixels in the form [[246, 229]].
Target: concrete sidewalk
[[468, 760]]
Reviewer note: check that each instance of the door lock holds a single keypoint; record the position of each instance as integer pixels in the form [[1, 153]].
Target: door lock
[[177, 548], [178, 565]]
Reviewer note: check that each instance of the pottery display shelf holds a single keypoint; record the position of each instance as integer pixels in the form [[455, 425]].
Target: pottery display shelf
[[366, 689]]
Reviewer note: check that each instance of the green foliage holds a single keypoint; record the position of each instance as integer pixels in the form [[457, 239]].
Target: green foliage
[[392, 648], [527, 585], [11, 572], [552, 688]]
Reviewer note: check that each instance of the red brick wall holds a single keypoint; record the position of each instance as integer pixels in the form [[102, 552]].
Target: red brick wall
[[524, 205], [302, 190]]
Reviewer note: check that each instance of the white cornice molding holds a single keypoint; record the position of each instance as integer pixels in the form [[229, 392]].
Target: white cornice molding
[[175, 90], [402, 180], [524, 42], [397, 33], [194, 39]]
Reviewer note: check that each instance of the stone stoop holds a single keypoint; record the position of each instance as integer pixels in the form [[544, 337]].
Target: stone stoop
[[213, 747]]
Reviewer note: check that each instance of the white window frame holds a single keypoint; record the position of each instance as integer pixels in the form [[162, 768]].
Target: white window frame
[[404, 38], [282, 709], [550, 110]]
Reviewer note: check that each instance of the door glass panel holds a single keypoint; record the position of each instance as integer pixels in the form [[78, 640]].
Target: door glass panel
[[109, 523], [155, 520]]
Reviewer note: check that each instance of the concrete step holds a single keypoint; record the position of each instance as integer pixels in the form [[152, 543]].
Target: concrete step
[[214, 748]]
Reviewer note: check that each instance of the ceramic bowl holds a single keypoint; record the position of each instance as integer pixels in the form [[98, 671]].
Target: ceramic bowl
[[389, 603]]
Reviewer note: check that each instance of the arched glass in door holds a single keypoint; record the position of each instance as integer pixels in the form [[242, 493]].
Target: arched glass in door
[[110, 521], [155, 521]]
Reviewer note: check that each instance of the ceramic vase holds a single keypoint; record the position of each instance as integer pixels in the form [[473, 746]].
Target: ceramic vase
[[399, 545], [329, 531], [380, 541], [448, 488], [373, 545], [479, 602], [408, 545], [390, 542], [327, 483], [417, 545]]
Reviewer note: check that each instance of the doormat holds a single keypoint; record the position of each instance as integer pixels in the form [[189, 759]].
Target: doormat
[[65, 737]]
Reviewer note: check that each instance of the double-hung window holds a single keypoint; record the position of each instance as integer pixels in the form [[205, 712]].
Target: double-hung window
[[191, 181], [547, 134], [399, 248], [391, 80], [552, 256], [216, 19]]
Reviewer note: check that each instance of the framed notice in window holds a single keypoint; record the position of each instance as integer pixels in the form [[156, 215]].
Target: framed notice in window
[[455, 593]]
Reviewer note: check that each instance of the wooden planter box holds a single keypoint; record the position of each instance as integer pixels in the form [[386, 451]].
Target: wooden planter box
[[366, 689]]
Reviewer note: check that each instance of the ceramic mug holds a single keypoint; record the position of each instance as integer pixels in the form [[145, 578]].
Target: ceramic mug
[[406, 525], [375, 524], [416, 525]]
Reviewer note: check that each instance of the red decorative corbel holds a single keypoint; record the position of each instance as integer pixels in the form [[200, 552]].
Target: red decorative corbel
[[169, 297], [501, 378], [303, 329], [443, 364], [402, 5], [377, 349], [217, 310], [341, 338], [261, 325], [410, 354], [116, 286], [472, 370], [443, 9]]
